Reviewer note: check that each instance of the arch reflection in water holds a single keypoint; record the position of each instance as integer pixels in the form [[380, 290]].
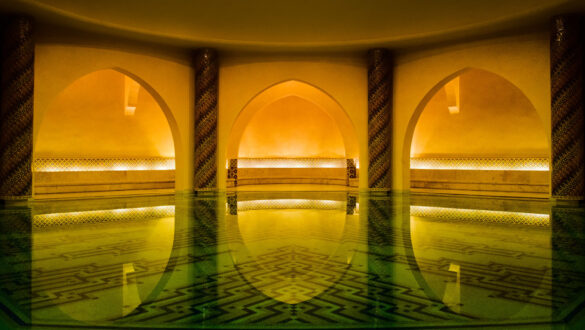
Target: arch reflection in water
[[98, 263], [491, 264], [292, 247]]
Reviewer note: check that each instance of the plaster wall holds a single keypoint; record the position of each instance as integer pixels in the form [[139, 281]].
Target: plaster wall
[[523, 60], [244, 76]]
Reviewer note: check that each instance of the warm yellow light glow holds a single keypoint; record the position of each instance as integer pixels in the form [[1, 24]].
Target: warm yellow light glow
[[129, 111], [485, 164], [102, 164], [292, 163], [291, 127], [96, 216], [480, 216], [131, 89], [291, 204], [452, 93]]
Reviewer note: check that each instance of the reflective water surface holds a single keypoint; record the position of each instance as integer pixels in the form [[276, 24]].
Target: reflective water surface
[[329, 259]]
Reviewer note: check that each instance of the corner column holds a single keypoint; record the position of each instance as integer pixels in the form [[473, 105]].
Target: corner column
[[206, 109], [16, 108], [567, 106], [380, 119]]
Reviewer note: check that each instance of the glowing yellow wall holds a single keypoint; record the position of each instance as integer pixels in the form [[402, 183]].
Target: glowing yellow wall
[[523, 60], [62, 57], [167, 75], [243, 76], [88, 119], [291, 127], [495, 119]]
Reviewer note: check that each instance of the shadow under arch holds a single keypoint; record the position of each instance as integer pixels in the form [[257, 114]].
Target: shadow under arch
[[162, 104], [414, 119], [305, 91]]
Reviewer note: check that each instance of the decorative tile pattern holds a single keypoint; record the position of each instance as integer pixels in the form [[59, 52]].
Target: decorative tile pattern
[[480, 163], [16, 108], [206, 96], [351, 169], [567, 106], [102, 164], [379, 118], [232, 172], [292, 163]]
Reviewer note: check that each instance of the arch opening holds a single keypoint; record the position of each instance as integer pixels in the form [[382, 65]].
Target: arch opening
[[477, 133], [104, 134], [294, 133]]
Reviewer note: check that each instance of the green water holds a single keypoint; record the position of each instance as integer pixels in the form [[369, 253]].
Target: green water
[[292, 260]]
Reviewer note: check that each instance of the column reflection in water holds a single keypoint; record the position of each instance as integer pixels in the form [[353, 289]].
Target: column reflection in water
[[97, 261], [484, 260], [568, 278], [15, 273]]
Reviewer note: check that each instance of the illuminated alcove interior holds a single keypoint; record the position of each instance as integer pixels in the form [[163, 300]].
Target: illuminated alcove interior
[[103, 122], [479, 114], [483, 129], [292, 132], [104, 114], [291, 127]]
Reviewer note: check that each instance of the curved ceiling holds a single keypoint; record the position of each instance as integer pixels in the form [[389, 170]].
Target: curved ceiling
[[294, 23]]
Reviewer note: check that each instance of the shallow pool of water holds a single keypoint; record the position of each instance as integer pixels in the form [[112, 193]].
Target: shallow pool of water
[[275, 259]]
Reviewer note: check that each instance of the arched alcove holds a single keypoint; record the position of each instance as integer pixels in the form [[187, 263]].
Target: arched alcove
[[477, 133], [105, 133], [292, 132]]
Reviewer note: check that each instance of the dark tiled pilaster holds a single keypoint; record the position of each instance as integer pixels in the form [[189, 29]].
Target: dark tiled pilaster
[[206, 98], [379, 119], [16, 108], [568, 140]]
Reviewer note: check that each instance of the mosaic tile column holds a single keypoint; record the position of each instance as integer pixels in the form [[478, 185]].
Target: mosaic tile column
[[568, 139], [206, 97], [16, 109], [379, 119]]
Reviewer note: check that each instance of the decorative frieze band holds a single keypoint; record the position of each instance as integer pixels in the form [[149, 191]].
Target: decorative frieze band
[[480, 163], [102, 164], [291, 162]]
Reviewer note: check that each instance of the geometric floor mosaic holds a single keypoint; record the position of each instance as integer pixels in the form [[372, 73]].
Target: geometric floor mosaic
[[292, 260]]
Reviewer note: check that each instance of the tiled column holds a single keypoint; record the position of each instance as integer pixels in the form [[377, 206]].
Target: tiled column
[[568, 143], [16, 109], [379, 119], [206, 97]]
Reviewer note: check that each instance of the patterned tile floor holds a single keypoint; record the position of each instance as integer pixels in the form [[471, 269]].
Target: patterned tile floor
[[330, 259]]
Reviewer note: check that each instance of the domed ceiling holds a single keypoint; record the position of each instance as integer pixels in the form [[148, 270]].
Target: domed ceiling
[[294, 24]]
